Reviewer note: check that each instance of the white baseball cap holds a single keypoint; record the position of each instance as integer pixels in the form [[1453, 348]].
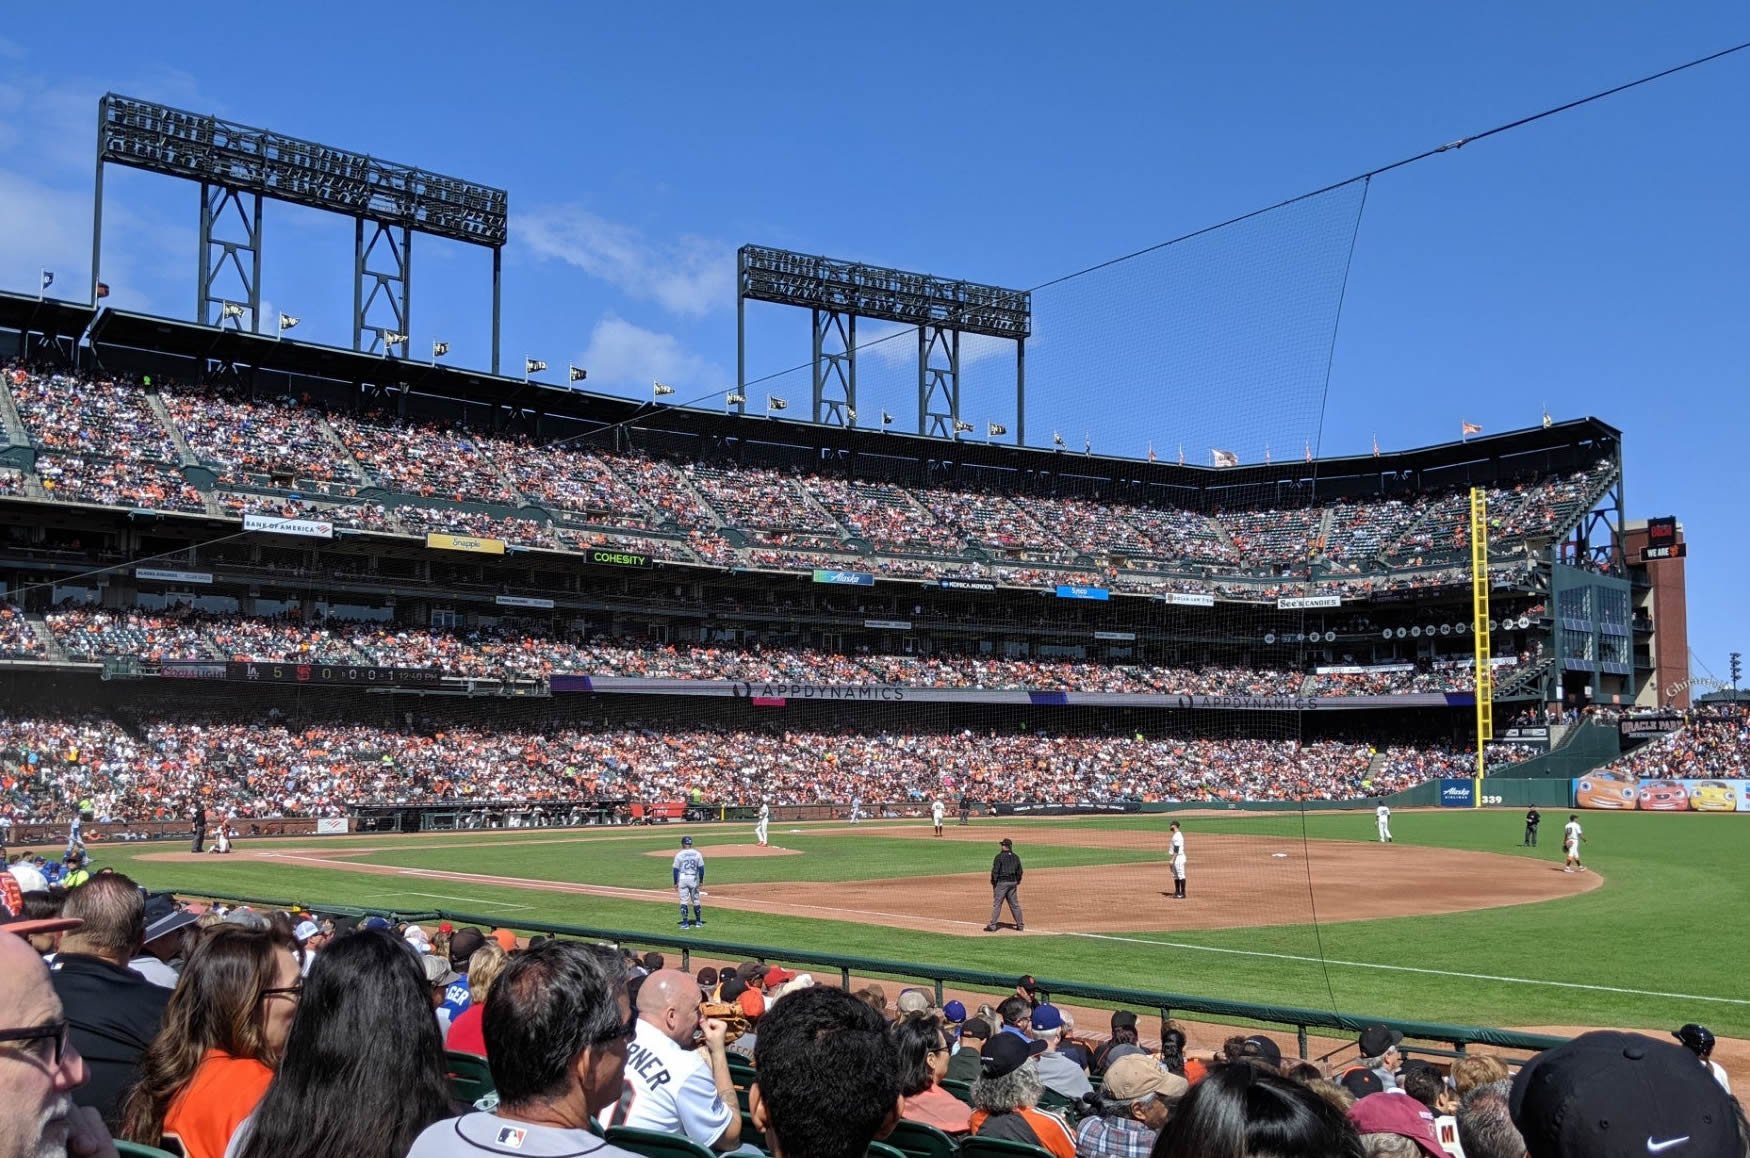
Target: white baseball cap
[[304, 931]]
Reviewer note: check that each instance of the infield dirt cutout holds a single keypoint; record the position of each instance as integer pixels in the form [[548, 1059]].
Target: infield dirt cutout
[[1232, 881]]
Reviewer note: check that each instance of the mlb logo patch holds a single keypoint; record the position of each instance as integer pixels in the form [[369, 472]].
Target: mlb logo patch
[[512, 1137]]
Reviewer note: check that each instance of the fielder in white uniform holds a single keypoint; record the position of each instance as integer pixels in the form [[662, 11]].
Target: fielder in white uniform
[[1176, 850], [1572, 839], [763, 829], [856, 809], [689, 874], [1382, 817], [936, 814]]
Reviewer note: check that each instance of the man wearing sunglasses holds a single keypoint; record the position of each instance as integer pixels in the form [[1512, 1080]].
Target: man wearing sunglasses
[[39, 1067]]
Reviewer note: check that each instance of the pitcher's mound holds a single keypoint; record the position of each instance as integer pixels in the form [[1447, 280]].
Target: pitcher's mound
[[730, 850]]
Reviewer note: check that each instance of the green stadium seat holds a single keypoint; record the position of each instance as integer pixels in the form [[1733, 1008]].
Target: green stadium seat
[[470, 1079], [883, 1150], [960, 1089], [741, 1071], [976, 1147], [918, 1140], [1068, 1108], [751, 1135], [651, 1144], [135, 1150]]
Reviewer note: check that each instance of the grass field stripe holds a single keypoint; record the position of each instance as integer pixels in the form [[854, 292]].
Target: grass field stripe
[[448, 897], [1409, 969]]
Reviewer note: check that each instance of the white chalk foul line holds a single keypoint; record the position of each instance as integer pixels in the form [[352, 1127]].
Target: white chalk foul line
[[1411, 969], [448, 897]]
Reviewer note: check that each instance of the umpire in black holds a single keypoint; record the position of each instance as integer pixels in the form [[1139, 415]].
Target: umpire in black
[[1005, 885], [1532, 819]]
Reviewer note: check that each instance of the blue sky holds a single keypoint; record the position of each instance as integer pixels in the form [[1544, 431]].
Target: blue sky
[[1593, 263]]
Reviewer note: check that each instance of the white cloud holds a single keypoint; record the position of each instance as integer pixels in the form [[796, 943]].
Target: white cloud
[[690, 276], [622, 355]]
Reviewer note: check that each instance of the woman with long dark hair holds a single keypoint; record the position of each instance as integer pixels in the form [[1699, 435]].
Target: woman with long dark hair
[[1241, 1111], [363, 1071], [223, 1031], [923, 1062]]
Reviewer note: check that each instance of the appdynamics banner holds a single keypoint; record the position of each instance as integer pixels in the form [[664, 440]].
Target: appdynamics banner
[[1036, 697]]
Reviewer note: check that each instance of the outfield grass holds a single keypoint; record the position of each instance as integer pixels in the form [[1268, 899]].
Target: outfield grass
[[1669, 919]]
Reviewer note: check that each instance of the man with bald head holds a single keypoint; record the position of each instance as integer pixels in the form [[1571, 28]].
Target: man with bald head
[[677, 1074], [39, 1067]]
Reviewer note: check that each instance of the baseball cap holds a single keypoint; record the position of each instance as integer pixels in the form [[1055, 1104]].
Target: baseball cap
[[13, 920], [707, 975], [751, 971], [1361, 1082], [1007, 1052], [464, 944], [912, 1001], [437, 971], [1609, 1094], [954, 1012], [163, 917], [1006, 842], [30, 878], [305, 930], [778, 975], [1137, 1076], [506, 939], [414, 935], [1123, 1019], [1263, 1048], [374, 923], [1397, 1114], [733, 986], [1047, 1017], [687, 842], [977, 1027], [446, 927], [1376, 1039]]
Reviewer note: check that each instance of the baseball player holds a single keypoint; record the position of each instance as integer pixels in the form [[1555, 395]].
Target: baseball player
[[1572, 839], [763, 829], [689, 874], [75, 835], [965, 810], [1382, 820], [856, 810], [936, 814], [1176, 851], [1005, 886]]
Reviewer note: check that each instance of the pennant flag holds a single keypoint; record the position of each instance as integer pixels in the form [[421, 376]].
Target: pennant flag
[[1056, 438], [228, 310], [533, 365], [1087, 443], [102, 289], [48, 278], [658, 389], [850, 416], [733, 399], [439, 349], [1224, 457], [1376, 446], [961, 427], [287, 321], [1547, 420], [393, 338], [1151, 452], [886, 418], [773, 402], [1466, 429], [1309, 451], [576, 373], [997, 429], [1181, 454], [1266, 454]]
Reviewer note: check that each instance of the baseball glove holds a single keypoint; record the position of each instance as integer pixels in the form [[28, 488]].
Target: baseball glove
[[729, 1014]]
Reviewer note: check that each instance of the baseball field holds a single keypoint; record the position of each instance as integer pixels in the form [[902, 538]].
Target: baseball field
[[1455, 921]]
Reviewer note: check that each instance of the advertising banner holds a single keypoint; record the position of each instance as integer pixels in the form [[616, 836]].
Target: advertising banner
[[1640, 726], [523, 601], [604, 557], [331, 826], [303, 528], [1071, 591], [332, 674], [966, 584], [1616, 791], [1189, 599], [1458, 794], [1116, 636], [844, 578], [888, 624], [159, 575], [1300, 602], [1083, 808], [469, 543]]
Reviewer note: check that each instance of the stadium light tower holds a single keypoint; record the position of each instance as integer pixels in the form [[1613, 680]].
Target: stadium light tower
[[840, 292], [1737, 670], [238, 166]]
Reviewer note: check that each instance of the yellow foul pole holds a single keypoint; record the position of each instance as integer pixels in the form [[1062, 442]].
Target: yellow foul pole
[[1485, 677]]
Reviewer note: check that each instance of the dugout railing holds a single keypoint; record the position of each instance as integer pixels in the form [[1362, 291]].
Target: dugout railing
[[1437, 1038]]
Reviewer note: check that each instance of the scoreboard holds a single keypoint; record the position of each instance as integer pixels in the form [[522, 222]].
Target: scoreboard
[[1662, 540]]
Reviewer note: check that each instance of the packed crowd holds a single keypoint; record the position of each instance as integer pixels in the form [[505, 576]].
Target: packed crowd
[[1713, 744], [17, 639], [163, 768], [89, 634], [243, 1033]]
